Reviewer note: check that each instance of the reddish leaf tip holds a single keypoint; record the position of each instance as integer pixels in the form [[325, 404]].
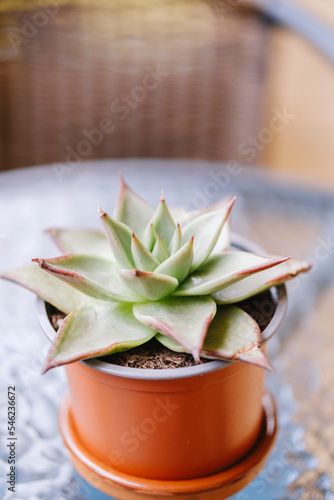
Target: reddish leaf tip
[[230, 204], [121, 180], [281, 260], [122, 187], [195, 355], [39, 261], [255, 356], [48, 365], [101, 212], [138, 273]]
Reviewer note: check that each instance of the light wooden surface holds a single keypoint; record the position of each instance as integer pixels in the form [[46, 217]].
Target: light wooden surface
[[302, 80]]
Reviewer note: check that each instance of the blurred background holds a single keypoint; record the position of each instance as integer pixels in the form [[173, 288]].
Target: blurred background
[[203, 98], [230, 67]]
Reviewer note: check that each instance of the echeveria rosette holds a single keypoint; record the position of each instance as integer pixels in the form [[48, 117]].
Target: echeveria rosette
[[154, 273]]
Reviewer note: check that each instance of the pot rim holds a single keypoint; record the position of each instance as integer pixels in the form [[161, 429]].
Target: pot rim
[[279, 297]]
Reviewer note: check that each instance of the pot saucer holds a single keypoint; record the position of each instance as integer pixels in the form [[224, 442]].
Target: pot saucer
[[119, 485]]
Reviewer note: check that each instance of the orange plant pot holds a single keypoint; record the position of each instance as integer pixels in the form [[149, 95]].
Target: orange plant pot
[[119, 485], [169, 431], [168, 428]]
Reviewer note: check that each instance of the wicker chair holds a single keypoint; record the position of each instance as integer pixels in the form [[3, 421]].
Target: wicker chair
[[128, 78]]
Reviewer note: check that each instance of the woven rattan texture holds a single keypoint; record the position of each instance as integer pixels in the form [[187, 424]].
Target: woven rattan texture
[[82, 64]]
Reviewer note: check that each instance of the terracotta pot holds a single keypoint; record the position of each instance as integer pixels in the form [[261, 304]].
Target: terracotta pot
[[174, 425], [126, 487]]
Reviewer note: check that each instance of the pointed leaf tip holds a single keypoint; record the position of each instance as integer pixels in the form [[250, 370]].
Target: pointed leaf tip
[[235, 335], [164, 222], [121, 179], [131, 209], [101, 212], [119, 236], [282, 271], [76, 339], [144, 260], [184, 319], [255, 356], [206, 227], [178, 264], [222, 270], [49, 288], [152, 286], [93, 276]]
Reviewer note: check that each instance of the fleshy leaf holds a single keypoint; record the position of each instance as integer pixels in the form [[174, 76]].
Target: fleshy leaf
[[222, 270], [119, 236], [163, 222], [184, 319], [160, 250], [182, 215], [94, 276], [132, 210], [143, 259], [96, 329], [256, 357], [259, 282], [149, 237], [81, 241], [170, 343], [176, 241], [178, 264], [233, 335], [224, 240], [151, 286], [249, 353], [206, 229], [59, 294]]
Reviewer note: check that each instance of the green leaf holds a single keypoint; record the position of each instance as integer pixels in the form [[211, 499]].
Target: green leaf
[[179, 263], [233, 335], [224, 240], [206, 229], [149, 237], [96, 329], [119, 236], [151, 286], [181, 215], [59, 294], [94, 276], [222, 270], [170, 343], [143, 259], [132, 210], [160, 250], [81, 241], [163, 222], [184, 319], [261, 281], [176, 241]]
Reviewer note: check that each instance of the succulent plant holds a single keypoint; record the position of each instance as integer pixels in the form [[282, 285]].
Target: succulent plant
[[154, 273]]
